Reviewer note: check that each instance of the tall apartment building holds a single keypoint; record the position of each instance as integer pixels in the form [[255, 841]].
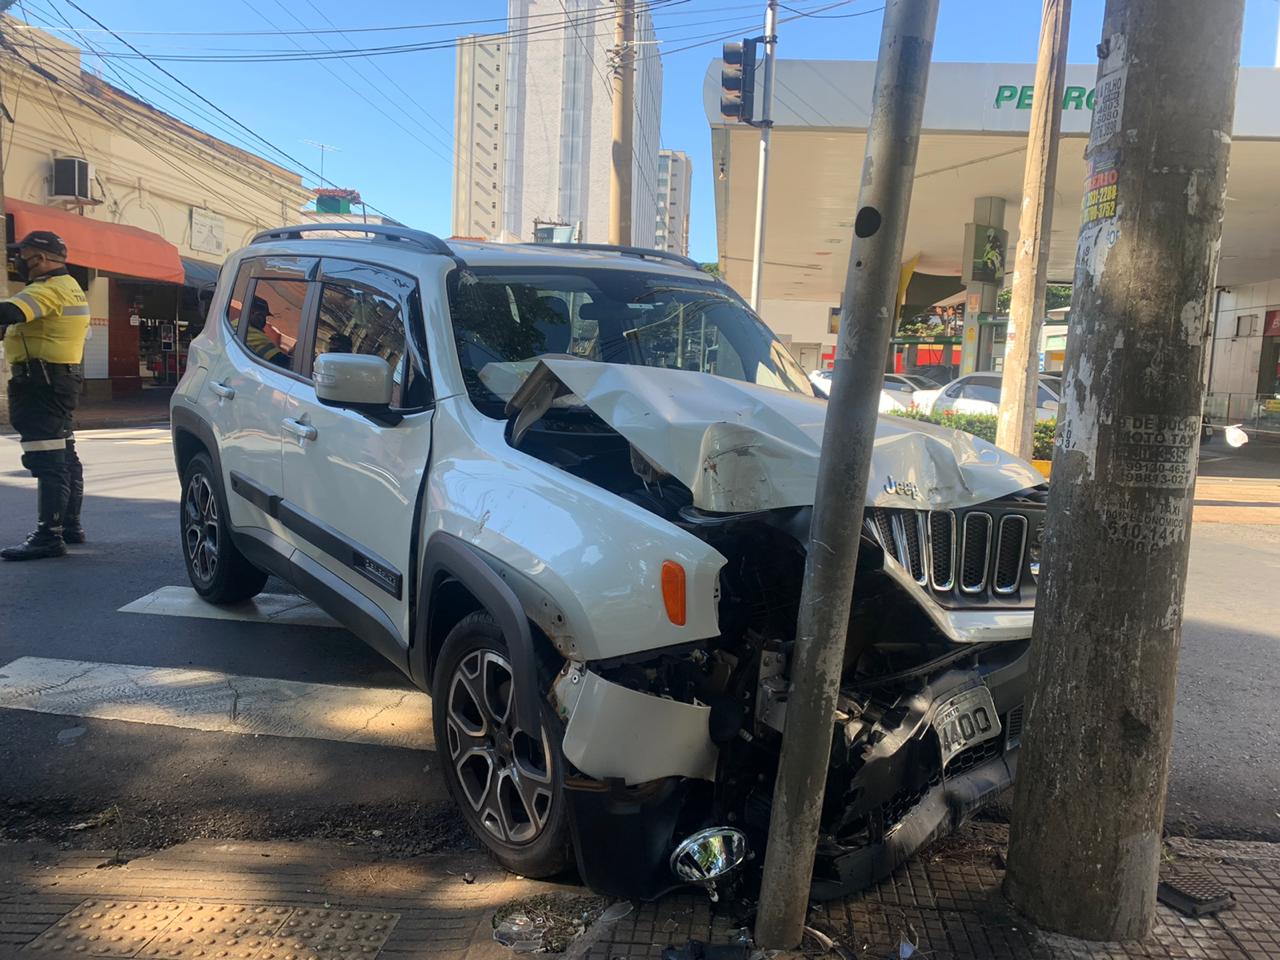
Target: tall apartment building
[[479, 166], [675, 186], [549, 77]]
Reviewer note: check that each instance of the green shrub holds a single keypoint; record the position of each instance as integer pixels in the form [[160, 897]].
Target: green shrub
[[1042, 440], [983, 425]]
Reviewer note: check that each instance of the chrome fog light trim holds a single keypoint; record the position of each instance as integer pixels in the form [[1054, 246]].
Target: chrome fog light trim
[[709, 854]]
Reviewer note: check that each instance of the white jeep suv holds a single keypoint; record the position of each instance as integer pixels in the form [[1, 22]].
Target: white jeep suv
[[567, 491]]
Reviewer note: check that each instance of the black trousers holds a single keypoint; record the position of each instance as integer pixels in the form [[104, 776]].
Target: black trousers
[[42, 404]]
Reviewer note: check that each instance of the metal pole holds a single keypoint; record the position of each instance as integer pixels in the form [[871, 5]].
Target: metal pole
[[1021, 381], [624, 96], [4, 263], [1089, 802], [868, 306], [766, 129]]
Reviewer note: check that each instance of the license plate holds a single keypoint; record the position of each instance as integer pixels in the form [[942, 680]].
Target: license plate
[[966, 719]]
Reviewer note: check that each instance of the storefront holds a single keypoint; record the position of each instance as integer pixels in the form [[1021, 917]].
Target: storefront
[[128, 274]]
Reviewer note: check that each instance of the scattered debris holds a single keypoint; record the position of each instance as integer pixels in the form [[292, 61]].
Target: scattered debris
[[547, 923], [468, 877], [616, 912], [375, 833], [1194, 893]]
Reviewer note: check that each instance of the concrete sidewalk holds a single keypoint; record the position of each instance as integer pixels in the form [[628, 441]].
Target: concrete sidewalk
[[1245, 500], [312, 901]]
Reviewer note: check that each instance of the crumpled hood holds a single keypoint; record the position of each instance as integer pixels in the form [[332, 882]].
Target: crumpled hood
[[740, 447]]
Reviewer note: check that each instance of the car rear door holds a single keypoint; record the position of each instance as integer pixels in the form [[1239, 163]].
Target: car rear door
[[352, 479], [247, 387]]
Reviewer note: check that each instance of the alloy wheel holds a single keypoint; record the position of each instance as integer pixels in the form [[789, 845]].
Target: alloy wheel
[[504, 771], [200, 527]]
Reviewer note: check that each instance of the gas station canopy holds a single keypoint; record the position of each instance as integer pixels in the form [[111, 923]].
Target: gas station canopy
[[972, 145]]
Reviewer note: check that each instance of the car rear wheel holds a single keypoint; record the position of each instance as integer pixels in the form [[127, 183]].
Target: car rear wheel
[[218, 571], [507, 781]]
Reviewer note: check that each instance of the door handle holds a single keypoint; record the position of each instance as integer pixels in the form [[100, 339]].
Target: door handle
[[303, 431], [222, 390]]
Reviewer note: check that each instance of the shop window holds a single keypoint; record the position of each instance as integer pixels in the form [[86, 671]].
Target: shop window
[[275, 320]]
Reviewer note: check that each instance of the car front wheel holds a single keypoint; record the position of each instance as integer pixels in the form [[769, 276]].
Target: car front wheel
[[507, 781]]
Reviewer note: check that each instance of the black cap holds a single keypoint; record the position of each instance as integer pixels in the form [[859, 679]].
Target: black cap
[[44, 240], [260, 304]]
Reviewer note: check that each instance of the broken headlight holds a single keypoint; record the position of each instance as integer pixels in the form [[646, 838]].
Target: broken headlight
[[1033, 550]]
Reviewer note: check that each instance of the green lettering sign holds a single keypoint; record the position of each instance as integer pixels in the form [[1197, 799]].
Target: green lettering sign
[[1073, 98]]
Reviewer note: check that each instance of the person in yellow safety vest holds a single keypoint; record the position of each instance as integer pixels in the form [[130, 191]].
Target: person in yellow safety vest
[[45, 326], [256, 338]]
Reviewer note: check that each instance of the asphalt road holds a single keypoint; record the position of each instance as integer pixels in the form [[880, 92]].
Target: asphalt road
[[142, 784]]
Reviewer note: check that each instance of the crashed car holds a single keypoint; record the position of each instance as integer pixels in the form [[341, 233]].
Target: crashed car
[[567, 491]]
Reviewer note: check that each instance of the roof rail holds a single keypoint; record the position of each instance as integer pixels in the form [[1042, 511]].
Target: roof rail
[[428, 241], [643, 253]]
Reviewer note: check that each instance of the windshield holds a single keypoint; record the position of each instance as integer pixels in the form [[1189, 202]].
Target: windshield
[[504, 319]]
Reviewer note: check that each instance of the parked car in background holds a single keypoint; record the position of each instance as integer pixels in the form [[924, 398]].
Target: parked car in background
[[980, 393], [892, 400]]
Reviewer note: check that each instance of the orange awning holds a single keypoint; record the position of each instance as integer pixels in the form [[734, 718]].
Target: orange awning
[[128, 251]]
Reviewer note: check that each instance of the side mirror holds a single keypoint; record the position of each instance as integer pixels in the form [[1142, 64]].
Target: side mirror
[[352, 380]]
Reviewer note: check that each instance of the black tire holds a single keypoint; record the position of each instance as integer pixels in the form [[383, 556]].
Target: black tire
[[218, 571], [519, 812]]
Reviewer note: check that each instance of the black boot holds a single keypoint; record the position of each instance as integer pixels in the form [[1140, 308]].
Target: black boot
[[47, 539], [44, 542], [72, 532]]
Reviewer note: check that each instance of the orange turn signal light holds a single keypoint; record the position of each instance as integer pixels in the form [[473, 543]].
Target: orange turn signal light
[[673, 591]]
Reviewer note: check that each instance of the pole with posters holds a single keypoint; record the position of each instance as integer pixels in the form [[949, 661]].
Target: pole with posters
[[868, 309], [1090, 795]]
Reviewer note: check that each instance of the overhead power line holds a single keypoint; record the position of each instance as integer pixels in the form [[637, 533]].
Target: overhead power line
[[334, 29], [203, 99], [134, 53]]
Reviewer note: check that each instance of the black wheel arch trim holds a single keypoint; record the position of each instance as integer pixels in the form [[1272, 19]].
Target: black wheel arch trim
[[446, 554], [184, 420]]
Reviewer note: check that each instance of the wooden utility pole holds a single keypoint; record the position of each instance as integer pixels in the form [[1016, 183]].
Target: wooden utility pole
[[868, 307], [624, 111], [1089, 802], [1021, 381]]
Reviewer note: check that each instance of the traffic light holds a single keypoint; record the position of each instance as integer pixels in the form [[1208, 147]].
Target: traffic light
[[738, 81]]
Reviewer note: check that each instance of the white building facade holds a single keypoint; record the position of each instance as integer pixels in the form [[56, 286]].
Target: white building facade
[[537, 101], [675, 187], [479, 165]]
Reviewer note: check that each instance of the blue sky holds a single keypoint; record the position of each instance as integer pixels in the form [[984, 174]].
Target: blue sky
[[390, 117]]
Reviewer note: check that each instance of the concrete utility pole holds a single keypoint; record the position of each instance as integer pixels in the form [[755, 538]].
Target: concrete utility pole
[[766, 129], [1021, 381], [624, 100], [1089, 803], [866, 322]]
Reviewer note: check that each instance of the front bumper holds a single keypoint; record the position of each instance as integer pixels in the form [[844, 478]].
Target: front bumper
[[887, 798]]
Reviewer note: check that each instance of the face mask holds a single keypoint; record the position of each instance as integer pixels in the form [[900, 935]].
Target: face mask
[[23, 269]]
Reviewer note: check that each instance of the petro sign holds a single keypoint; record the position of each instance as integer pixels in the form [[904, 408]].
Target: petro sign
[[1073, 98]]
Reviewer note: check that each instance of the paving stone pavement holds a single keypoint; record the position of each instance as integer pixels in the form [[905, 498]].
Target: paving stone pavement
[[315, 901]]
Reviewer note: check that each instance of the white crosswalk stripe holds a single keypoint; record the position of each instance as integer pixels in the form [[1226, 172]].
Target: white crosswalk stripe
[[264, 608], [218, 702]]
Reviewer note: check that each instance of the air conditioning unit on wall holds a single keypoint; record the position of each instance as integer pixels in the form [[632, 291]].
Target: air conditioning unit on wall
[[72, 178]]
